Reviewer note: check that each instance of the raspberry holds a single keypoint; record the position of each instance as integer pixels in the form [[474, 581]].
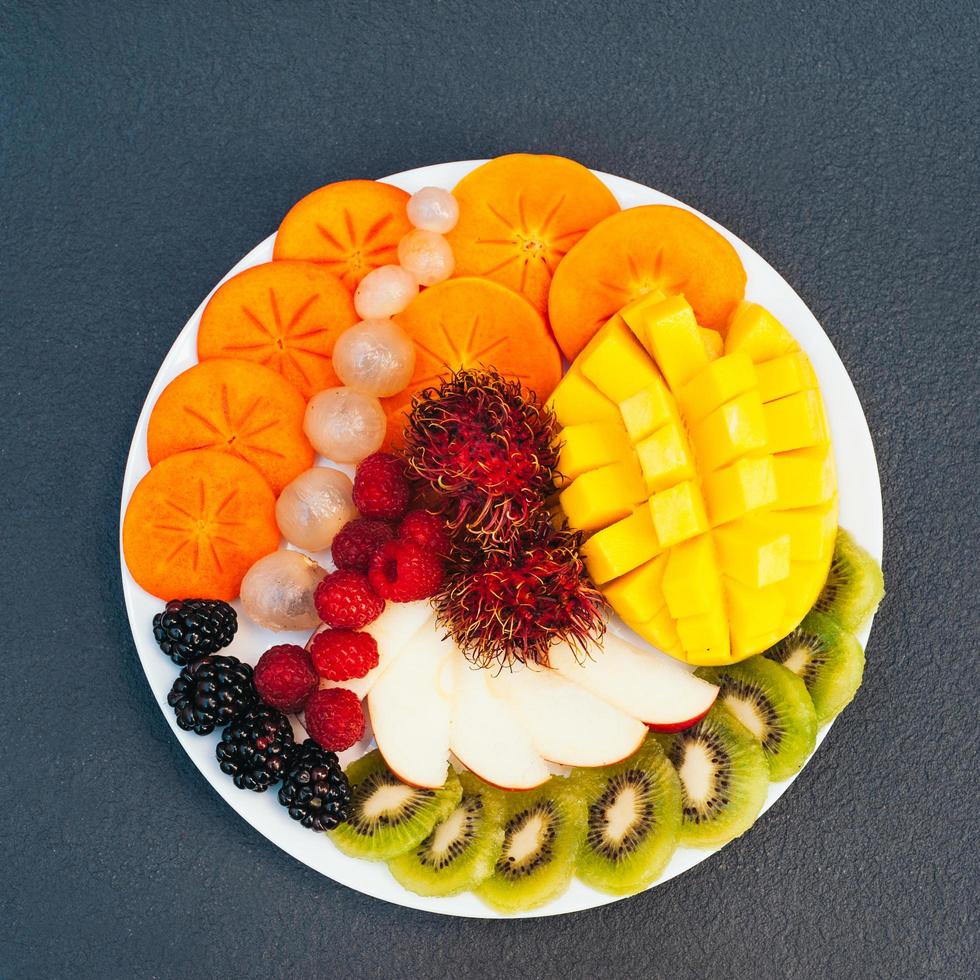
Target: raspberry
[[342, 655], [428, 530], [357, 542], [404, 571], [334, 718], [381, 488], [285, 678], [345, 600]]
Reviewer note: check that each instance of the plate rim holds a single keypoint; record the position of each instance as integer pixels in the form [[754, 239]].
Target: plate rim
[[285, 836]]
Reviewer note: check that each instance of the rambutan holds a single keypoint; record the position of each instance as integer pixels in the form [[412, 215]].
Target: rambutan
[[487, 449], [511, 604]]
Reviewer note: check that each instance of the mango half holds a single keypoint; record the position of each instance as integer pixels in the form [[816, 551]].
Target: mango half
[[703, 478]]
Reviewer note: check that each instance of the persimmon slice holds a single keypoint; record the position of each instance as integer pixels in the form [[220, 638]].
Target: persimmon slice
[[634, 252], [238, 407], [196, 523], [473, 322], [518, 216], [351, 227], [285, 315]]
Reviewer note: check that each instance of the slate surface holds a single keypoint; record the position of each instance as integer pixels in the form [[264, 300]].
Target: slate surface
[[147, 146]]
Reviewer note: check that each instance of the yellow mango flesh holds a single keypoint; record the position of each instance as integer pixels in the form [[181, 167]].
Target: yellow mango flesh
[[665, 457], [785, 375], [576, 400], [621, 547], [589, 445], [711, 532], [638, 595], [598, 498]]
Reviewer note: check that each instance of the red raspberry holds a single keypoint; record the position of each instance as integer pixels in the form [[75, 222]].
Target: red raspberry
[[357, 541], [404, 571], [334, 718], [345, 600], [342, 655], [381, 488], [428, 530], [285, 678]]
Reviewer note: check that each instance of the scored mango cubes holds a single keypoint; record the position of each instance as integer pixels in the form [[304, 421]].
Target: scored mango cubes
[[671, 335], [598, 498], [691, 582], [647, 410], [638, 595], [785, 375], [621, 547], [616, 364], [705, 477], [678, 513], [796, 422], [589, 445], [576, 400], [665, 457], [736, 428]]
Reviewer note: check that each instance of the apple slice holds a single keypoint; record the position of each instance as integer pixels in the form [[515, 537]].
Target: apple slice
[[486, 735], [393, 629], [409, 707], [643, 683], [568, 724]]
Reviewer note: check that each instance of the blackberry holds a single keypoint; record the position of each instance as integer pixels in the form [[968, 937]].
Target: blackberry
[[189, 629], [209, 693], [256, 748], [315, 790]]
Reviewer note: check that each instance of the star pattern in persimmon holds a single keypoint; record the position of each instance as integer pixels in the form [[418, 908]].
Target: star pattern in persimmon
[[354, 255]]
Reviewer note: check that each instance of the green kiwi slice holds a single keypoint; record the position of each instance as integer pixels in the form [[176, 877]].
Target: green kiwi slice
[[387, 816], [461, 850], [633, 823], [773, 704], [723, 774], [543, 830], [854, 584], [827, 658]]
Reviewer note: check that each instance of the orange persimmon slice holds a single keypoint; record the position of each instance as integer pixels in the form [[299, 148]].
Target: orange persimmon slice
[[352, 227], [471, 323], [238, 407], [634, 252], [196, 523], [285, 315], [518, 216]]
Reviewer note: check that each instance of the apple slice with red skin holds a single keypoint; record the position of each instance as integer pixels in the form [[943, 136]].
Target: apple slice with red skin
[[393, 629], [409, 706], [486, 735], [568, 724], [642, 683]]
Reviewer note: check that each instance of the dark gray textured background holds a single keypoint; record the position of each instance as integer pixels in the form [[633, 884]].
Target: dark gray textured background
[[147, 146]]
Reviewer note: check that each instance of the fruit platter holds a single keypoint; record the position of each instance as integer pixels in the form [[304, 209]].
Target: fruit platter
[[501, 538]]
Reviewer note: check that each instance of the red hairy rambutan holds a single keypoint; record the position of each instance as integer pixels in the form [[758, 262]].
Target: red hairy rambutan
[[488, 449], [511, 604]]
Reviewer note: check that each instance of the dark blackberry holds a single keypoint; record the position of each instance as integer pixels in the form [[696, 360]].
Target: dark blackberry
[[209, 693], [189, 629], [256, 748], [315, 790]]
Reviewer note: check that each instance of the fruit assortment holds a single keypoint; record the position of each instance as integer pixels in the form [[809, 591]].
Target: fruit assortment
[[556, 410]]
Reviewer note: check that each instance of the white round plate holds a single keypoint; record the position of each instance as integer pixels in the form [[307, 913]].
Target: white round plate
[[860, 512]]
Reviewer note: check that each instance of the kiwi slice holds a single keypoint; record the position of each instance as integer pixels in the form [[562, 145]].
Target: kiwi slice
[[827, 658], [387, 816], [723, 774], [773, 704], [854, 584], [542, 835], [633, 823], [461, 850]]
